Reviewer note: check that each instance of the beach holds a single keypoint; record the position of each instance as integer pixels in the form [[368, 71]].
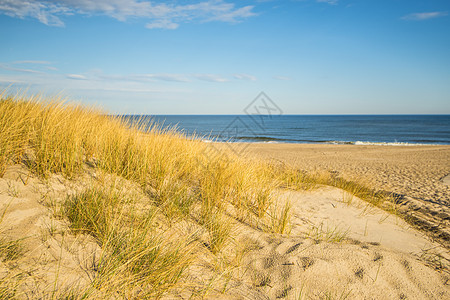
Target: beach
[[224, 150], [93, 209], [417, 173]]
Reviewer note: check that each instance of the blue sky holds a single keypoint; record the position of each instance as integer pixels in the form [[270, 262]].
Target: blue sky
[[216, 56]]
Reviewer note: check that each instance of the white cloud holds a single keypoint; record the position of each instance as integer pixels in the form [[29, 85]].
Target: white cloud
[[244, 77], [159, 14], [76, 76], [51, 68], [45, 12], [167, 77], [210, 77], [124, 89], [424, 16], [162, 24]]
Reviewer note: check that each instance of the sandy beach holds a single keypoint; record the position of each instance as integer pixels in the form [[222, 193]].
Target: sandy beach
[[94, 209], [418, 173]]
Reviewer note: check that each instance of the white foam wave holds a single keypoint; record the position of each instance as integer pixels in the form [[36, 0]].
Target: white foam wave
[[391, 144]]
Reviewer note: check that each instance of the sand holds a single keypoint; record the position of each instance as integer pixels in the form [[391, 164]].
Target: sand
[[51, 259], [381, 257], [420, 174], [339, 247]]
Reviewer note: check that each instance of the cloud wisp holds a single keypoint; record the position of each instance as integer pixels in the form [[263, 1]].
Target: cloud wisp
[[210, 77], [157, 14], [43, 75], [244, 77], [424, 16], [165, 77], [76, 76], [31, 62], [11, 67], [168, 77], [28, 66]]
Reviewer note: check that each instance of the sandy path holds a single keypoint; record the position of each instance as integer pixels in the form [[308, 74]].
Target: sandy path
[[420, 173], [337, 212]]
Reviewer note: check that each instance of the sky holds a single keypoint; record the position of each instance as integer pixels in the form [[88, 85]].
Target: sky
[[216, 56]]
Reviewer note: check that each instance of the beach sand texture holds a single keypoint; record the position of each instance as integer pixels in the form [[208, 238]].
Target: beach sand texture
[[377, 259], [420, 174], [339, 247]]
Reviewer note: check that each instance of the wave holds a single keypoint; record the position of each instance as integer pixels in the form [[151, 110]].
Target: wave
[[392, 144], [367, 143], [272, 140]]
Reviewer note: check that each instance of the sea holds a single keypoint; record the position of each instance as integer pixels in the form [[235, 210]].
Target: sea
[[324, 129]]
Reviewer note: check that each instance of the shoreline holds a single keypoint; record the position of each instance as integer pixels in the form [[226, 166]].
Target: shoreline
[[266, 140], [337, 143]]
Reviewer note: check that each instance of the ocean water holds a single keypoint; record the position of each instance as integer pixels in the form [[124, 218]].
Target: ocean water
[[332, 129]]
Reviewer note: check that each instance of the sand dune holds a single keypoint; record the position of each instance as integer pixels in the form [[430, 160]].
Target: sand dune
[[339, 247], [420, 174], [344, 248]]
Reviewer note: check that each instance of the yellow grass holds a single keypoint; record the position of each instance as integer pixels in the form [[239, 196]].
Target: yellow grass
[[140, 259], [50, 136]]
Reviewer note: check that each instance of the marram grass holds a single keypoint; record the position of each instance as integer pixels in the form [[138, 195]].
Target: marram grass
[[179, 180], [173, 172]]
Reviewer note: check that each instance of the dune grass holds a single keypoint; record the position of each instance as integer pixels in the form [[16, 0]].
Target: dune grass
[[295, 179], [332, 234], [179, 181], [135, 257], [10, 250]]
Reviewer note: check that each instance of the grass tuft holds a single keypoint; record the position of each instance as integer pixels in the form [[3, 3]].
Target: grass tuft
[[135, 254], [10, 250], [328, 234]]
